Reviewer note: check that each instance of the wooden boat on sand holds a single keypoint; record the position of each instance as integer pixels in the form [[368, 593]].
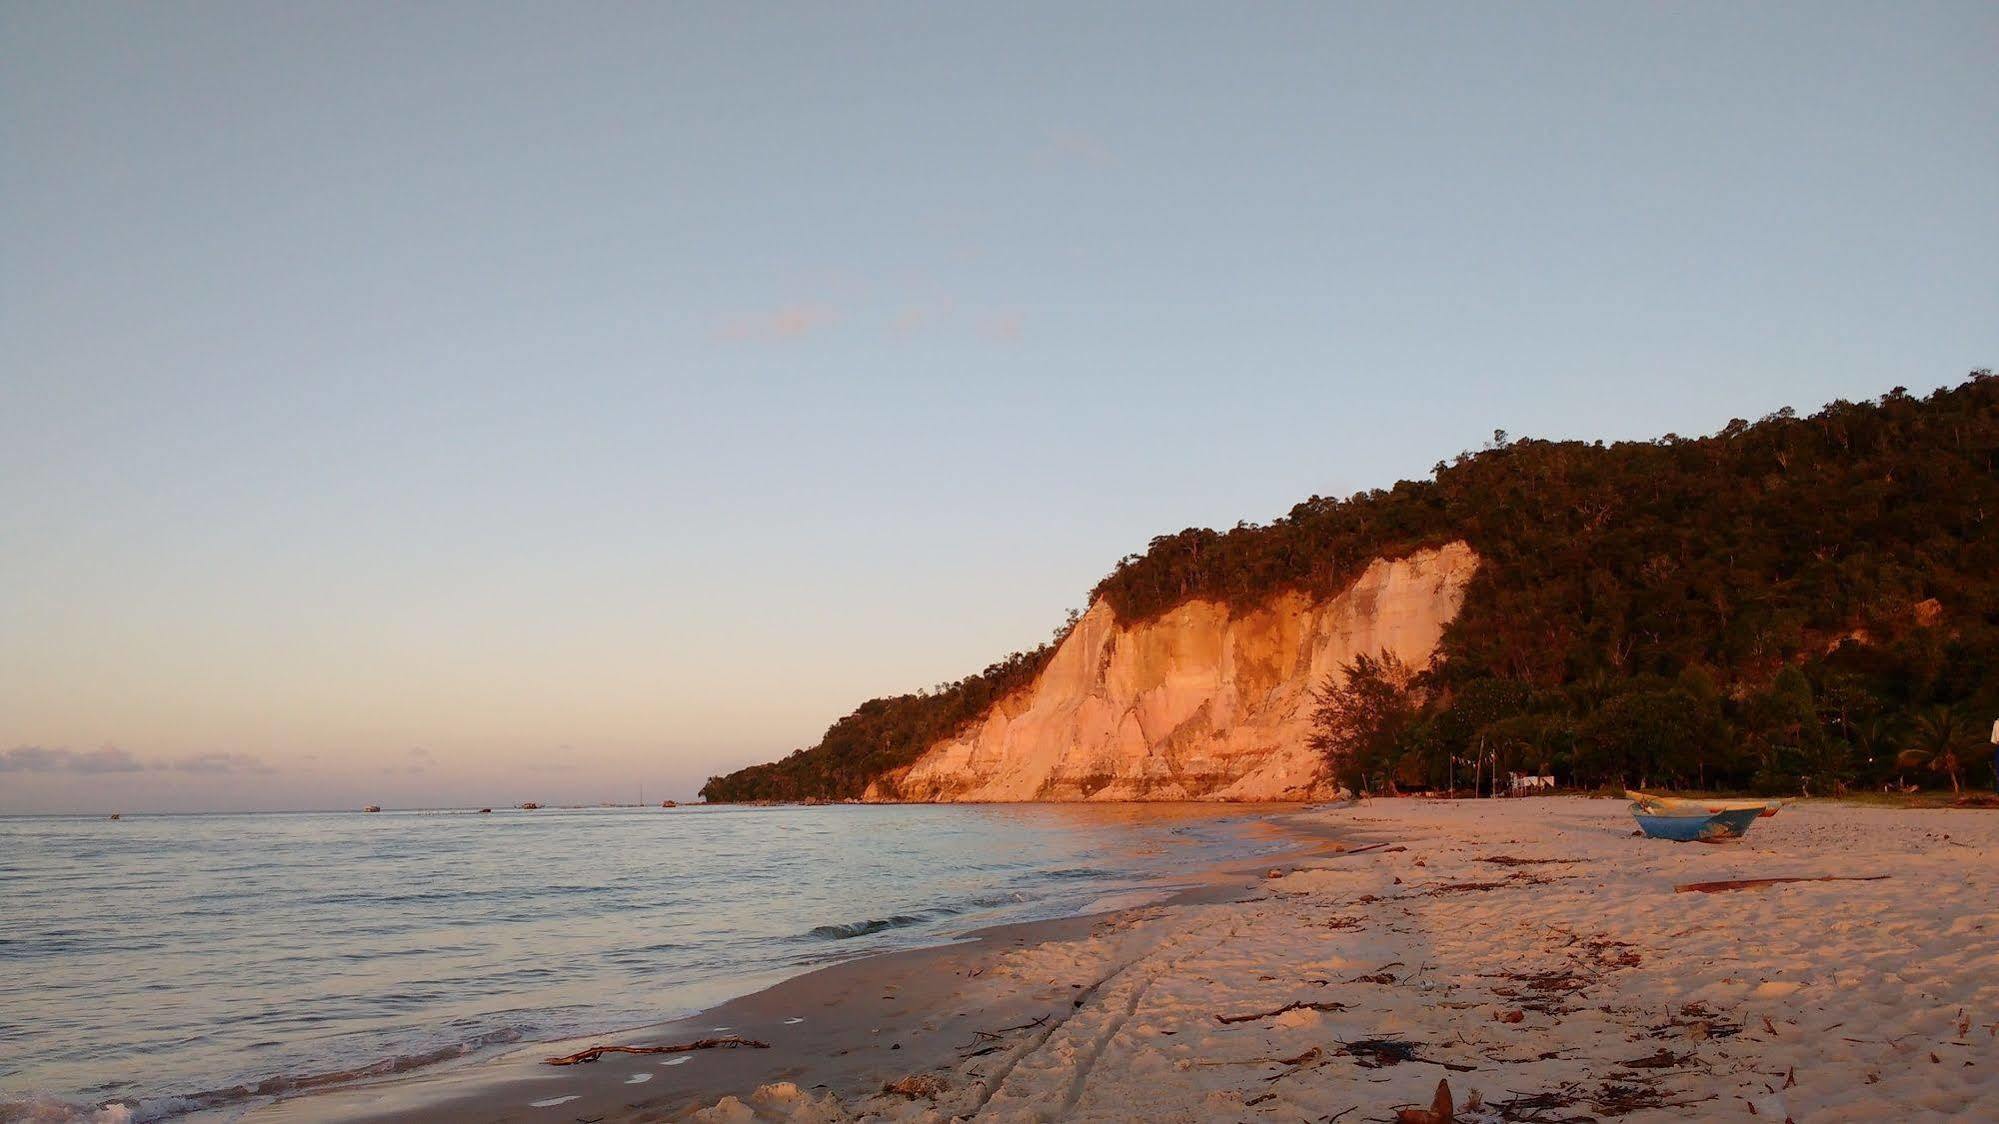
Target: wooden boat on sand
[[1679, 804]]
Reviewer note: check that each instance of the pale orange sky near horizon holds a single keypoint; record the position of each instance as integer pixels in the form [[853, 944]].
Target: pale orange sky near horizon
[[463, 404]]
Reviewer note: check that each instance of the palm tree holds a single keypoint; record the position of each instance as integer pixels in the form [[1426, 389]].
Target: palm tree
[[1943, 737], [1877, 740]]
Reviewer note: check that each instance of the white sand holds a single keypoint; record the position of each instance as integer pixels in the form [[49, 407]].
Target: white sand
[[1820, 1001]]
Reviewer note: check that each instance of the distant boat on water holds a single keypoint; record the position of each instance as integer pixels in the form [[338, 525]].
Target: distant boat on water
[[669, 804], [372, 808], [117, 815], [529, 806], [485, 811]]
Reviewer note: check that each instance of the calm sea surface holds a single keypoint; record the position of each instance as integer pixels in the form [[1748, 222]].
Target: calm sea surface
[[159, 962]]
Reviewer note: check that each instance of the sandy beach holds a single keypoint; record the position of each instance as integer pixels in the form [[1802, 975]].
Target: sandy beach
[[1535, 953]]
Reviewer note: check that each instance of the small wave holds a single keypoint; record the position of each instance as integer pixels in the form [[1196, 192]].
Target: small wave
[[126, 1110], [49, 1110], [1079, 872], [863, 928]]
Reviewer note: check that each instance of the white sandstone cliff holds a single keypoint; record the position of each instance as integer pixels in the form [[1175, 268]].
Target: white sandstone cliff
[[1198, 704]]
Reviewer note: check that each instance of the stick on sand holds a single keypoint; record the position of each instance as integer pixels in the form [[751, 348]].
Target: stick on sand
[[595, 1052]]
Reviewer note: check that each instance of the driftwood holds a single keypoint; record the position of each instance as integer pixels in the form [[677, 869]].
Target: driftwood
[[595, 1052], [1699, 1021], [1306, 1060], [1301, 1005], [987, 1041], [1509, 860], [1379, 1053], [1380, 975], [1517, 878], [1609, 1099], [1759, 883]]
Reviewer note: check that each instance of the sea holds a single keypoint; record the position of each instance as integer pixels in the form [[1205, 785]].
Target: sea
[[156, 966]]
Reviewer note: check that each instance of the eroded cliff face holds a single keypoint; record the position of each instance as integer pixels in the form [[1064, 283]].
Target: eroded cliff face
[[1196, 705]]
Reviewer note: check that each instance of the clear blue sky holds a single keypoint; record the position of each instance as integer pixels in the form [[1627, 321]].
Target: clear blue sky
[[470, 403]]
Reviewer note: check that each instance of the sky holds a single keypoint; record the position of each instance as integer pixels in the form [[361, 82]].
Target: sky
[[468, 403]]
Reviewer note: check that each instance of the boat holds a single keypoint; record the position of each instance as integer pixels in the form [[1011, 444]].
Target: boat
[[529, 806], [1694, 825], [1737, 820], [1680, 804], [669, 804], [372, 808]]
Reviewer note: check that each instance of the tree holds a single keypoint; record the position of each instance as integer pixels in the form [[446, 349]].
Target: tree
[[1942, 739], [1364, 713], [1641, 733], [1877, 742], [1479, 703], [1708, 740], [1785, 731], [1532, 743]]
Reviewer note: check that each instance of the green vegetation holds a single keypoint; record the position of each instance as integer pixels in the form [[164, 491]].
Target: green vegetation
[[1798, 603], [883, 734]]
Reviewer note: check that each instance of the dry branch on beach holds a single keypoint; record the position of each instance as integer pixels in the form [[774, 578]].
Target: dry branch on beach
[[732, 1041], [1301, 1005], [1509, 860], [1760, 883]]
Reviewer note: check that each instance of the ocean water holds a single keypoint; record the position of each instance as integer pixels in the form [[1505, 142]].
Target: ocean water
[[163, 964]]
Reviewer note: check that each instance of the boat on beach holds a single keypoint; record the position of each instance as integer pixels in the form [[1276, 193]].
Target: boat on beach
[[1675, 805], [1693, 825]]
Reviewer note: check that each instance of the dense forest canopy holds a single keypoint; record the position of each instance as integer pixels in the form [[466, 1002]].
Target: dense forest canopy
[[1793, 602]]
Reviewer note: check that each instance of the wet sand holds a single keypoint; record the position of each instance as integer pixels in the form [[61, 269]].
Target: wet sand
[[1533, 952]]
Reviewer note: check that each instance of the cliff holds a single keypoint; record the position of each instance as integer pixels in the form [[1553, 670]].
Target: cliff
[[1198, 703], [1784, 603]]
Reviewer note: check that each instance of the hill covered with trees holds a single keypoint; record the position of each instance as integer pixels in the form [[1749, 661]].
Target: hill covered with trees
[[1795, 603]]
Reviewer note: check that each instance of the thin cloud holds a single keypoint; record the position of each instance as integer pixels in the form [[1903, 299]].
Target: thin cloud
[[40, 759], [217, 763], [112, 759], [791, 322]]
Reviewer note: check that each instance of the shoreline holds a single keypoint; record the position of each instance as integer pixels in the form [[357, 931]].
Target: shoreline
[[1532, 951], [490, 1085]]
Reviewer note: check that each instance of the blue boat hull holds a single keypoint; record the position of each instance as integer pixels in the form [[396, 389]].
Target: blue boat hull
[[1737, 820], [1707, 827]]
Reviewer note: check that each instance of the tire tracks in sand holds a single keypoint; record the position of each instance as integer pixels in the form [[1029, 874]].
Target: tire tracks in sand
[[1155, 962]]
